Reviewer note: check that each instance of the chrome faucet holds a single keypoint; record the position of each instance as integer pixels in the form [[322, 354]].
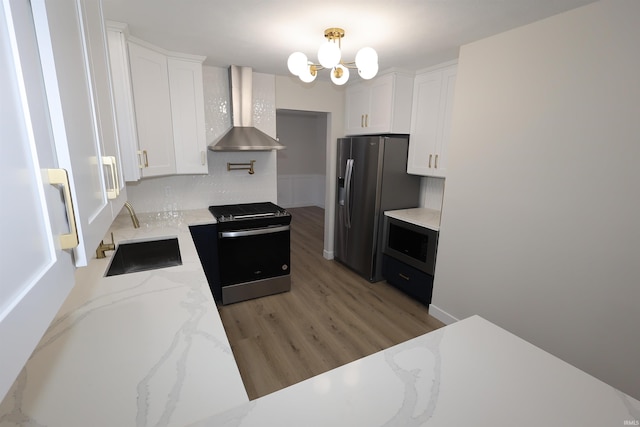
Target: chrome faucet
[[132, 214]]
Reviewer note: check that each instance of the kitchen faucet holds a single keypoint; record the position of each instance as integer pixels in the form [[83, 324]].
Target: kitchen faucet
[[132, 214], [103, 247]]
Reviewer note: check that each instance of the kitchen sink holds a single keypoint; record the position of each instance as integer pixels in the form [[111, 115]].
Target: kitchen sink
[[146, 255]]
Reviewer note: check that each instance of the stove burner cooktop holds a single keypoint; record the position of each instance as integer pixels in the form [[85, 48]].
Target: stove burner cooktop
[[251, 214]]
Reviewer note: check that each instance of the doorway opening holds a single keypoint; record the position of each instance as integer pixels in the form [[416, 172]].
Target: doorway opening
[[302, 166]]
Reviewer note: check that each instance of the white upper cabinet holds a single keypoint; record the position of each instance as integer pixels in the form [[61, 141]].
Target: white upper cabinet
[[150, 81], [187, 113], [160, 97], [431, 121], [117, 34], [95, 32], [380, 105], [56, 119], [73, 55]]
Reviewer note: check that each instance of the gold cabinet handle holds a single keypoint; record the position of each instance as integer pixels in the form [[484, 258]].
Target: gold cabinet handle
[[366, 120], [430, 157], [146, 158], [404, 276], [61, 177], [436, 163], [203, 157], [110, 162], [140, 165], [361, 120]]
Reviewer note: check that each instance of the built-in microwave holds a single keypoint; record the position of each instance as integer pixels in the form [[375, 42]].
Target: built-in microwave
[[411, 244]]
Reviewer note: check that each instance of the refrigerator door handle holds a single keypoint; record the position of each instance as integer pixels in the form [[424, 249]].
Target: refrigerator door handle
[[348, 179]]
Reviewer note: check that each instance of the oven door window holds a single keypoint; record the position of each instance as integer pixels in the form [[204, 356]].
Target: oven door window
[[249, 257]]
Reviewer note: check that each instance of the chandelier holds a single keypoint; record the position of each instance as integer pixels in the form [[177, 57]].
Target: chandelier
[[330, 57]]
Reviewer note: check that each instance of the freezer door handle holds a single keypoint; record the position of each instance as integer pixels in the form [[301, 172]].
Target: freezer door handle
[[348, 180]]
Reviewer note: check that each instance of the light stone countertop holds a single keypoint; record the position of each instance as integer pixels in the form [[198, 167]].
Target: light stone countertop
[[423, 217], [137, 349], [149, 348], [471, 373]]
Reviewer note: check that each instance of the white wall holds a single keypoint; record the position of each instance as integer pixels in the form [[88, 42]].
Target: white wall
[[172, 193], [320, 96], [540, 231]]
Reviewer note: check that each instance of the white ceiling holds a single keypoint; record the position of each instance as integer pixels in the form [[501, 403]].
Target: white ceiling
[[407, 34]]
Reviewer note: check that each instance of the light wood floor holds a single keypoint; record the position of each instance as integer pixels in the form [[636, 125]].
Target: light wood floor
[[331, 317]]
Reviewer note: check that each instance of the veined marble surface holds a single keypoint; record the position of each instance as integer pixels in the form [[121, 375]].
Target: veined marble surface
[[471, 373], [423, 217], [149, 348], [138, 349]]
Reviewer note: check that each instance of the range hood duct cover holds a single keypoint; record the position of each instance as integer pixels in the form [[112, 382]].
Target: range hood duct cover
[[243, 136]]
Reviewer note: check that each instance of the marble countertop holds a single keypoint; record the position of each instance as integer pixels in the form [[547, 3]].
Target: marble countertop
[[471, 373], [138, 349], [423, 217], [149, 348]]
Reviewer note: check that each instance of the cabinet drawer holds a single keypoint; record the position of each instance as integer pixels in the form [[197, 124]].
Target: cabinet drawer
[[408, 279]]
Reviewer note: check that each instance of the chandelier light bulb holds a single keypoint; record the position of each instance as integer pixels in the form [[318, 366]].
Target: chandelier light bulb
[[329, 54], [368, 72], [366, 57], [340, 75], [297, 63], [309, 74]]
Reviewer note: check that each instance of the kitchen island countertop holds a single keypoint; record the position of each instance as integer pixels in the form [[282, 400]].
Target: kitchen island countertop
[[149, 348], [422, 217]]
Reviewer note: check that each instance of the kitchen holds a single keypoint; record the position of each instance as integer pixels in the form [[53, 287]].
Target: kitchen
[[544, 311]]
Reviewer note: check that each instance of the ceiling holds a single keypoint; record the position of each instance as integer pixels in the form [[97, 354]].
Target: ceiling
[[407, 34]]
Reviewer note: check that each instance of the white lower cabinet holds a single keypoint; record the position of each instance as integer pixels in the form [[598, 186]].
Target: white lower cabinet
[[163, 92], [57, 202], [433, 92]]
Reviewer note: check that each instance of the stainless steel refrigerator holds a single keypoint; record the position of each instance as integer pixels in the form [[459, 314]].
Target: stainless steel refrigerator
[[371, 178]]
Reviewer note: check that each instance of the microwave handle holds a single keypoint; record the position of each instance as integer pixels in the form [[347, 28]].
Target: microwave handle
[[348, 184]]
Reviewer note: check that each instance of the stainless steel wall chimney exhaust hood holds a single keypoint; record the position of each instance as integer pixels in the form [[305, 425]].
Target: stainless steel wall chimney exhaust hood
[[243, 136]]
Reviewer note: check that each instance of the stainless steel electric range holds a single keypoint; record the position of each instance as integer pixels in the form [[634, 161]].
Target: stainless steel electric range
[[253, 242]]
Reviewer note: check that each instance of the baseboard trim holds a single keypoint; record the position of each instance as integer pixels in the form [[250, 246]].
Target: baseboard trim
[[327, 254], [442, 315]]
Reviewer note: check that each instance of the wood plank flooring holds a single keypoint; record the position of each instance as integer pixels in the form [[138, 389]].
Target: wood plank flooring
[[331, 317]]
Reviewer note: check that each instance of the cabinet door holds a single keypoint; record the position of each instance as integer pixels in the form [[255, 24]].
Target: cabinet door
[[37, 274], [424, 123], [95, 33], [357, 104], [379, 113], [447, 93], [150, 82], [431, 122], [123, 100], [66, 52], [187, 112]]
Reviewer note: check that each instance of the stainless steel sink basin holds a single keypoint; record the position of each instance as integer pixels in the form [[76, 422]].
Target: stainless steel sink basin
[[147, 255]]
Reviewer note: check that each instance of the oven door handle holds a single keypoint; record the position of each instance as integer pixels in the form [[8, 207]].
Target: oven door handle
[[254, 232]]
